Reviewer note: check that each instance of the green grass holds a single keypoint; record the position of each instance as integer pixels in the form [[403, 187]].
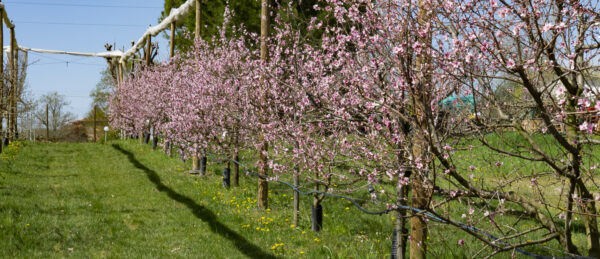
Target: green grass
[[125, 200]]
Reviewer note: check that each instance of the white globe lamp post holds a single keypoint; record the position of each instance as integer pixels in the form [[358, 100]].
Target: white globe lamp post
[[105, 133]]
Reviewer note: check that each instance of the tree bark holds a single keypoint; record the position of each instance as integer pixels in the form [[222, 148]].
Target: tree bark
[[589, 206], [419, 194], [401, 232]]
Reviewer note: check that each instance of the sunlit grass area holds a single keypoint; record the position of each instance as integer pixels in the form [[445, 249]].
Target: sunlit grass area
[[123, 199]]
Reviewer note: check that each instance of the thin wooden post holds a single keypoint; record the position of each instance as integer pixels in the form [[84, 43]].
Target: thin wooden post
[[236, 170], [20, 84], [263, 185], [148, 50], [12, 90], [47, 125], [15, 89], [133, 62], [198, 164], [172, 43], [296, 201], [198, 20], [95, 111], [296, 197], [120, 78], [148, 62]]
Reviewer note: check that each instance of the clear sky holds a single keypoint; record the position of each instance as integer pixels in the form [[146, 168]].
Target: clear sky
[[77, 25]]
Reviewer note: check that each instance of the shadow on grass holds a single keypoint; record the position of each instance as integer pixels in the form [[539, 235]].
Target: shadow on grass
[[200, 212]]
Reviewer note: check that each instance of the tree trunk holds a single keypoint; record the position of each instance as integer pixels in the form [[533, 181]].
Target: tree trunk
[[418, 225], [568, 243], [419, 194], [400, 228], [590, 222], [589, 207]]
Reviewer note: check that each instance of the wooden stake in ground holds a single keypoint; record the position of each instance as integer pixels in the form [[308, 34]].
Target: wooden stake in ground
[[236, 170], [296, 212], [263, 186], [198, 34], [148, 53]]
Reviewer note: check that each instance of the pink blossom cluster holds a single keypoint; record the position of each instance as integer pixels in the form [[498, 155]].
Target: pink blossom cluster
[[352, 104]]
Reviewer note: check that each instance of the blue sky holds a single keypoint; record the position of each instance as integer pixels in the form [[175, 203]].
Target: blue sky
[[77, 25]]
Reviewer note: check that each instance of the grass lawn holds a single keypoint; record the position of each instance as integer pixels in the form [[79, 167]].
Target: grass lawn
[[125, 200]]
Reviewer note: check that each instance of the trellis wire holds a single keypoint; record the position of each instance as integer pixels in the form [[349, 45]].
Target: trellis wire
[[386, 211]]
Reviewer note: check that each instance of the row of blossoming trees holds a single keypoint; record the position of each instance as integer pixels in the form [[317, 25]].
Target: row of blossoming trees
[[363, 103]]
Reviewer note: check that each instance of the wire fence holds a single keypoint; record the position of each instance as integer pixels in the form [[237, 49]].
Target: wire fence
[[495, 240]]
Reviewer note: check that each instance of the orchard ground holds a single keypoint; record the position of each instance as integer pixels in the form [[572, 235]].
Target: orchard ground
[[125, 200]]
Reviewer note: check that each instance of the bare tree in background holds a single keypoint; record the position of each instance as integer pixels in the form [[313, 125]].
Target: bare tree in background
[[102, 90], [57, 116]]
